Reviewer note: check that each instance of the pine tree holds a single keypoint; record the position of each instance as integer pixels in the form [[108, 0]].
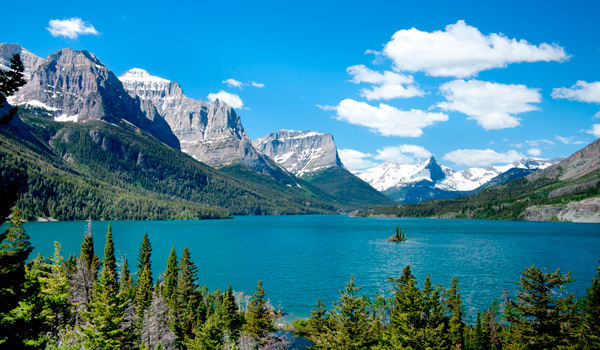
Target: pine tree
[[352, 324], [318, 318], [187, 296], [171, 274], [454, 307], [144, 286], [106, 316], [259, 320], [591, 314], [126, 282], [10, 82], [541, 316], [56, 290], [229, 314]]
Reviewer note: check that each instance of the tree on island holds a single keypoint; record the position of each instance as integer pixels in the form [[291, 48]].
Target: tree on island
[[399, 236]]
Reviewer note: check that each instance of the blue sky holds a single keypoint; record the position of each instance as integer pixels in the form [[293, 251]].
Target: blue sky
[[471, 82]]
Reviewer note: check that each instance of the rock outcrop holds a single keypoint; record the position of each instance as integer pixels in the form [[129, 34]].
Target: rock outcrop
[[30, 61], [210, 132], [300, 152], [76, 86]]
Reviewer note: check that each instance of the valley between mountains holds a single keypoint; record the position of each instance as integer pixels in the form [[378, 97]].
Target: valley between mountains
[[86, 143]]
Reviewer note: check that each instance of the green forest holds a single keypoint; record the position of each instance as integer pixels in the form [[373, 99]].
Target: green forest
[[93, 301]]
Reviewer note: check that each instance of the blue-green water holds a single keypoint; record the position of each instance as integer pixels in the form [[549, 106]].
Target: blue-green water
[[302, 258]]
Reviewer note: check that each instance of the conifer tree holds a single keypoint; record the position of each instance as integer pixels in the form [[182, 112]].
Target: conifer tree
[[171, 274], [542, 314], [352, 324], [454, 307], [103, 328], [318, 318], [187, 296], [10, 81], [126, 282], [56, 290], [230, 315], [591, 314], [156, 327], [144, 285], [259, 321]]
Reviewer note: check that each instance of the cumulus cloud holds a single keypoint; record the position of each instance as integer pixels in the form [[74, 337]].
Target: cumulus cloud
[[384, 119], [535, 152], [238, 84], [355, 160], [403, 154], [492, 105], [388, 85], [71, 28], [595, 130], [462, 51], [232, 100], [582, 91], [233, 83], [482, 157]]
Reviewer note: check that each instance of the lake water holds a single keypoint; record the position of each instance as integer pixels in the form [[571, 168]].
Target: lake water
[[302, 258]]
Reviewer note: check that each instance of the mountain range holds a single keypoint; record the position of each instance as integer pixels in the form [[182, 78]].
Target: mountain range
[[414, 183], [76, 116]]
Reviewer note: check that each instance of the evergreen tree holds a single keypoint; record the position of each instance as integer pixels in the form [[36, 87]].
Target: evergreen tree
[[591, 315], [10, 81], [541, 316], [230, 315], [171, 274], [56, 290], [259, 321], [352, 324], [318, 318], [454, 307], [126, 282], [103, 328], [144, 286], [187, 296]]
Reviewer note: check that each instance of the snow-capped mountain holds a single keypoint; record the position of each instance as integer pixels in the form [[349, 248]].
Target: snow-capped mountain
[[210, 132], [300, 152], [431, 180], [30, 61]]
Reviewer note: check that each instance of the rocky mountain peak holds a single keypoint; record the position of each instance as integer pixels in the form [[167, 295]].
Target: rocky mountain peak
[[77, 86], [300, 152]]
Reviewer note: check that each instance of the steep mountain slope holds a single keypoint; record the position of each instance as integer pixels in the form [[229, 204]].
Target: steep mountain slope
[[30, 61], [313, 157], [210, 132], [568, 190], [76, 86], [77, 170], [414, 183]]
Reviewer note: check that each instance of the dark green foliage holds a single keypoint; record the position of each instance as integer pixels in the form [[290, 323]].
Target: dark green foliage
[[10, 82], [230, 313], [352, 323], [399, 236], [144, 286], [454, 308], [171, 273], [318, 318], [591, 314], [259, 321], [542, 315]]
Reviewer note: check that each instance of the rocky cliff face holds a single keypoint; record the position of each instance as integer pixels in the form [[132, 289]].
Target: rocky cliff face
[[210, 132], [580, 163], [77, 87], [300, 152], [30, 61]]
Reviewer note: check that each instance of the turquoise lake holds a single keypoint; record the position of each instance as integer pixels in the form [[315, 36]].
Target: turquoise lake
[[302, 258]]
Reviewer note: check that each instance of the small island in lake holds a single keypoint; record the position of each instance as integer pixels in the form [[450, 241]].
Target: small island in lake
[[398, 237]]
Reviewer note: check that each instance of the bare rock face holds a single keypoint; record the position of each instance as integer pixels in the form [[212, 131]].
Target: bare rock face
[[300, 152], [78, 87], [210, 132], [30, 61], [580, 163]]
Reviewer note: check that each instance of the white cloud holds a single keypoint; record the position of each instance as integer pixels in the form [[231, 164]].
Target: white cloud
[[389, 85], [595, 130], [258, 85], [402, 154], [597, 115], [582, 91], [535, 152], [463, 51], [233, 83], [480, 157], [492, 105], [570, 140], [71, 28], [386, 120], [355, 160], [232, 100]]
